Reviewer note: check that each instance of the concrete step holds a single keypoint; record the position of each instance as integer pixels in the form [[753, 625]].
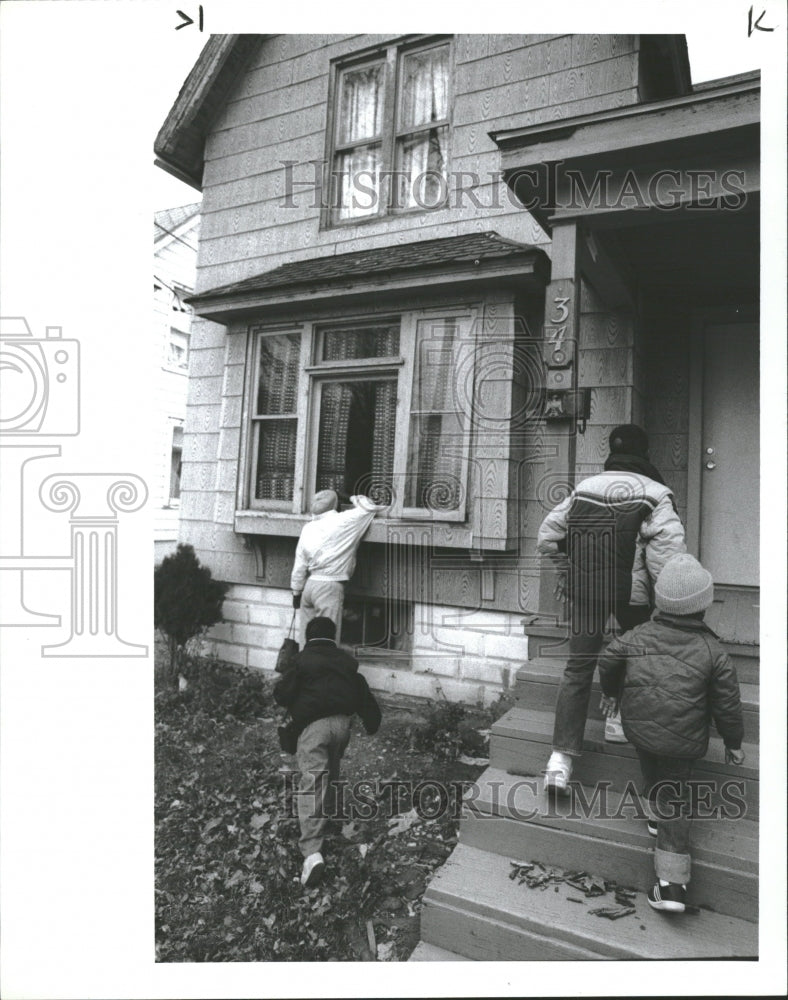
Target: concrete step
[[537, 686], [550, 641], [424, 952], [520, 744], [512, 816], [472, 906]]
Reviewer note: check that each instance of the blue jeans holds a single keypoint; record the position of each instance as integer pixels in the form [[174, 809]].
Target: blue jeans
[[585, 642], [666, 785]]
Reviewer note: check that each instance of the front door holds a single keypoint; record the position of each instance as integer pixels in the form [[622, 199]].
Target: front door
[[728, 460]]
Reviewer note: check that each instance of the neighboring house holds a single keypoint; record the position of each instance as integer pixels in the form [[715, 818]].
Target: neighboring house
[[174, 260], [347, 335]]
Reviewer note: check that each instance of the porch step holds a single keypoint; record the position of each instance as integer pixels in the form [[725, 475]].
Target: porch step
[[424, 952], [520, 744], [548, 640], [473, 907], [512, 816], [537, 686]]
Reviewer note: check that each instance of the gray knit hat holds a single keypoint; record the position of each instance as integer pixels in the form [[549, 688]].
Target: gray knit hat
[[684, 586]]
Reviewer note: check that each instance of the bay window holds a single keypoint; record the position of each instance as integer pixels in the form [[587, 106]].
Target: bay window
[[366, 406], [388, 141]]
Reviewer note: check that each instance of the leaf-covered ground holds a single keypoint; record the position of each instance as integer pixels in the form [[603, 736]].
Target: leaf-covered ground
[[228, 864]]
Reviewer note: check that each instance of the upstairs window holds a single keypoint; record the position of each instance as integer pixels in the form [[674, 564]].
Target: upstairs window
[[390, 133]]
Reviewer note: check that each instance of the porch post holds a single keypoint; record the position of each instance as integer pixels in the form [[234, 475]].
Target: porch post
[[561, 327]]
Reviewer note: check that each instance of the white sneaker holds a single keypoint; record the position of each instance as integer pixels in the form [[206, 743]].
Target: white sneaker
[[312, 872], [614, 731], [558, 772]]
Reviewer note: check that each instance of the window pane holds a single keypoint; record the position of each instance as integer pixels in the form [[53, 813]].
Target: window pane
[[178, 350], [357, 173], [278, 375], [422, 170], [424, 88], [361, 342], [275, 460], [360, 104], [437, 428], [355, 451]]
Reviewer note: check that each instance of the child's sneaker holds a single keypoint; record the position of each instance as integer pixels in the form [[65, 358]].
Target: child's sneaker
[[651, 826], [669, 897], [558, 772], [312, 872], [614, 731]]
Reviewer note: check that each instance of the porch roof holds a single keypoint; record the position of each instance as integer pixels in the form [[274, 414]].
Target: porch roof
[[454, 258], [713, 123]]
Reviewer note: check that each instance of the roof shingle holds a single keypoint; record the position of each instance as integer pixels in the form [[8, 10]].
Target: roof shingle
[[470, 248]]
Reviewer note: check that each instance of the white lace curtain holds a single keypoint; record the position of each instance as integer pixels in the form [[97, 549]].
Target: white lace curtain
[[424, 88]]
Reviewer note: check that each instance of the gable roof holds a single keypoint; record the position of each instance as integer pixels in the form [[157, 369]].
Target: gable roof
[[167, 220], [180, 143]]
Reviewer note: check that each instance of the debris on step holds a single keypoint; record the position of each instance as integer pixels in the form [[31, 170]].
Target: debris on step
[[589, 885], [612, 912]]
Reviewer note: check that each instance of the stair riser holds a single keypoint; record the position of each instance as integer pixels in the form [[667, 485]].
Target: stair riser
[[541, 695], [721, 889], [487, 940], [525, 756], [747, 667]]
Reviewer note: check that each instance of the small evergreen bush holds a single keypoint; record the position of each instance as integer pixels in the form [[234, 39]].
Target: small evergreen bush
[[187, 602]]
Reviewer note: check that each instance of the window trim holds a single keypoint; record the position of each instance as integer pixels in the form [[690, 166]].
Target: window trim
[[390, 54]]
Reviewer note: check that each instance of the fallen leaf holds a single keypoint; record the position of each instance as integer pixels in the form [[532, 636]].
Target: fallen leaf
[[371, 937], [386, 951], [258, 820], [612, 912], [256, 887], [399, 824], [211, 825], [234, 879], [474, 761], [362, 849]]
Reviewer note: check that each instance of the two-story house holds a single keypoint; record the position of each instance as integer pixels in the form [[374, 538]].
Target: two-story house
[[439, 270], [413, 252]]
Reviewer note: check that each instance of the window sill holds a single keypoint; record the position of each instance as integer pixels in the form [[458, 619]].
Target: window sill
[[400, 531]]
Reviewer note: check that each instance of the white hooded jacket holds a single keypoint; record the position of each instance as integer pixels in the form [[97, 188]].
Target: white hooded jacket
[[328, 544]]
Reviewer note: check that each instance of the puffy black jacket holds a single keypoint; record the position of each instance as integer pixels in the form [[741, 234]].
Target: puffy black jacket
[[673, 677], [323, 681]]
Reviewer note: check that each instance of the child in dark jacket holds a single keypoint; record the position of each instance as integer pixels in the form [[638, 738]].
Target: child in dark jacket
[[322, 690], [668, 677]]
